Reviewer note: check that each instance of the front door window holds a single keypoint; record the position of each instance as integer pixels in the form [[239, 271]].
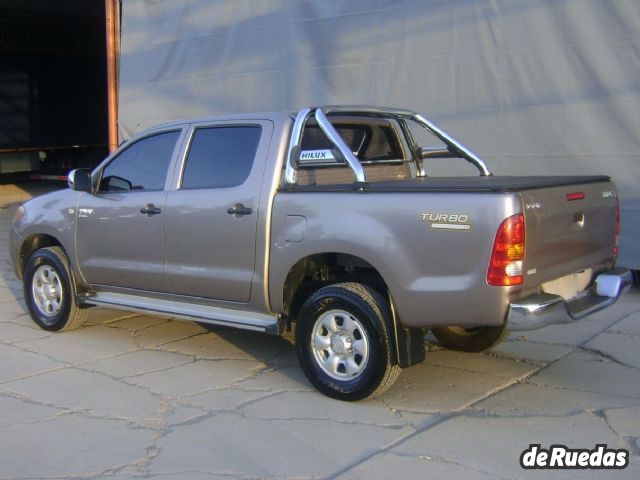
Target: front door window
[[140, 167]]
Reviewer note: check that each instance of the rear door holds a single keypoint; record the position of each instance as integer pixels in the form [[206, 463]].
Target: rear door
[[211, 218], [119, 228]]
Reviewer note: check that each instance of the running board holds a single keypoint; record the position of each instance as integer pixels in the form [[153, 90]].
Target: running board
[[187, 311]]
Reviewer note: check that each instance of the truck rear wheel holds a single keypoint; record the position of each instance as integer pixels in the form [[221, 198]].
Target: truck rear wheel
[[472, 339], [344, 343], [49, 291]]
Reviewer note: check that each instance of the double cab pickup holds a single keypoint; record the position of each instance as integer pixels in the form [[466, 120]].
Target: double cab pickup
[[331, 219]]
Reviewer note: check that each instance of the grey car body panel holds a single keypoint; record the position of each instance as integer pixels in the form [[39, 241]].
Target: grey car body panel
[[53, 215], [568, 236], [106, 255], [223, 266], [436, 277], [427, 271]]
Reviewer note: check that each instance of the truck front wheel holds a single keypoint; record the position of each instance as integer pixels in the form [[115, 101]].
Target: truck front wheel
[[344, 343], [49, 291], [472, 339]]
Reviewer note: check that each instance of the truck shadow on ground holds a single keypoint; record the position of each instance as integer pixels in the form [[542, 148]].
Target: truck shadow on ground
[[443, 371], [277, 353]]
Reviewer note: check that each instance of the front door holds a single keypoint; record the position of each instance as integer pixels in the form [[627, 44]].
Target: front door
[[210, 220], [119, 229]]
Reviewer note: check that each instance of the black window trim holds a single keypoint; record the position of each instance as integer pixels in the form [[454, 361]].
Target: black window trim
[[222, 124], [133, 142]]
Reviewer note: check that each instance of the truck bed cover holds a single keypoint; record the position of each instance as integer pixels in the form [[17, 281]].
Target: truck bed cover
[[462, 184]]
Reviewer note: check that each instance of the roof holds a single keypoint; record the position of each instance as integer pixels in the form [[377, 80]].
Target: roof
[[346, 109]]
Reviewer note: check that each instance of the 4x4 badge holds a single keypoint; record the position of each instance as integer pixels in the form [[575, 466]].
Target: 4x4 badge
[[85, 212], [446, 221]]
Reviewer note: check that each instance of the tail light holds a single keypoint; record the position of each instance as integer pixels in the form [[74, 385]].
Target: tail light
[[616, 234], [505, 268]]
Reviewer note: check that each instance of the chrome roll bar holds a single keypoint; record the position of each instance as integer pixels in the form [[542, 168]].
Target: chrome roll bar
[[336, 139], [291, 172], [320, 115], [451, 142]]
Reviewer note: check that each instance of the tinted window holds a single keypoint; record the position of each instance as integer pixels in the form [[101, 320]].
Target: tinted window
[[142, 166], [220, 156]]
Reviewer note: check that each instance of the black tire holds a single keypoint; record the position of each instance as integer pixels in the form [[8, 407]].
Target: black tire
[[473, 339], [369, 311], [65, 315]]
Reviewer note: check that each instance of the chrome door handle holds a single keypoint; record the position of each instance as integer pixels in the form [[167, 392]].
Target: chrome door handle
[[150, 209], [239, 210]]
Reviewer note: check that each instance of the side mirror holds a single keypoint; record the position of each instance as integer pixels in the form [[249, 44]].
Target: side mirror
[[79, 180], [113, 183]]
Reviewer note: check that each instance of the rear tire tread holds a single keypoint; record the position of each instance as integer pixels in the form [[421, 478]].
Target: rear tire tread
[[375, 299], [356, 293], [485, 339]]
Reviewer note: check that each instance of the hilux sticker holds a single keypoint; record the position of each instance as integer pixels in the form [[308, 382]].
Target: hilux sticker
[[446, 221], [317, 157]]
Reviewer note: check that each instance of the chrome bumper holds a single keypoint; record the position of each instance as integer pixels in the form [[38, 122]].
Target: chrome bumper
[[545, 309]]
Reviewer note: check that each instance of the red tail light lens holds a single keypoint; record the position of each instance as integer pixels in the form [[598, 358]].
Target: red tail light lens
[[575, 196], [616, 234], [505, 268]]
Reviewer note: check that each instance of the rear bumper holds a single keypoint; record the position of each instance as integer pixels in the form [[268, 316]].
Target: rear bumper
[[545, 309]]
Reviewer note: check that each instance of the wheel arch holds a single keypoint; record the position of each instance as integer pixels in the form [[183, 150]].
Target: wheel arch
[[31, 244], [314, 271]]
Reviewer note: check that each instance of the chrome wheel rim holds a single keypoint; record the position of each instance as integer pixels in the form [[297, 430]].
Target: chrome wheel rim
[[46, 289], [340, 345]]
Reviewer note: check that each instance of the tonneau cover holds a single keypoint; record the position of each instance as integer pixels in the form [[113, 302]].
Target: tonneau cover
[[463, 184]]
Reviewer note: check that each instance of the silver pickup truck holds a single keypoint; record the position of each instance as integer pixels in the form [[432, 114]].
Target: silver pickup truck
[[330, 219]]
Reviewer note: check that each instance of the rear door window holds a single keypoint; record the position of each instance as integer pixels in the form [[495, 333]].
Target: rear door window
[[221, 156], [142, 166]]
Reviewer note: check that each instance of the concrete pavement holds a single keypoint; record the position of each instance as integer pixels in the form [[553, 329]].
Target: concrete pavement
[[133, 396]]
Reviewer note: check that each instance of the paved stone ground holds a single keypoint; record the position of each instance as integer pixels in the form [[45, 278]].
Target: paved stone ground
[[133, 396]]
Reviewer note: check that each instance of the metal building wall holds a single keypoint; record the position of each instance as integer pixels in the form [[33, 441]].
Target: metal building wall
[[534, 86]]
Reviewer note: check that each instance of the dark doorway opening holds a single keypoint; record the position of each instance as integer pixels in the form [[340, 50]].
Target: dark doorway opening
[[53, 87]]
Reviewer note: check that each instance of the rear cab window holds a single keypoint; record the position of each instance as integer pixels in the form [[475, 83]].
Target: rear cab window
[[377, 143]]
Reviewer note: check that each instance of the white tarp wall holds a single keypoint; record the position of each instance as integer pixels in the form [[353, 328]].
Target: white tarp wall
[[533, 86]]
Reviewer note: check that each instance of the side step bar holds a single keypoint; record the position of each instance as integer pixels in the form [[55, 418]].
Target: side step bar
[[187, 311]]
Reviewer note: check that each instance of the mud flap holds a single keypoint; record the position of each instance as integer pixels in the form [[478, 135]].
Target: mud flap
[[408, 342], [409, 346]]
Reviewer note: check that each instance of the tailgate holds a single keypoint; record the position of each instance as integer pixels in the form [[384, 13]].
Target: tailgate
[[568, 229]]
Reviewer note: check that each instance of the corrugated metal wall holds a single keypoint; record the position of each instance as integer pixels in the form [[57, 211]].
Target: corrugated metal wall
[[534, 86]]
